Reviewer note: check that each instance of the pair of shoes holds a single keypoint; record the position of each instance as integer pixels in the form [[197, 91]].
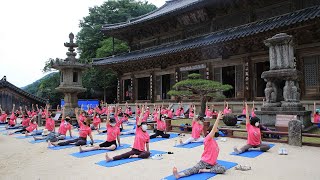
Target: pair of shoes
[[243, 168], [283, 151], [157, 157]]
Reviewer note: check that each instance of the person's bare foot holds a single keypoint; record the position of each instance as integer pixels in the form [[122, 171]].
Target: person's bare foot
[[108, 158], [80, 149], [49, 144], [34, 138], [235, 150], [175, 173], [181, 142]]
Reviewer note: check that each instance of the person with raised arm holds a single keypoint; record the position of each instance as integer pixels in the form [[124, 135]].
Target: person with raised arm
[[113, 135], [254, 135], [64, 127], [96, 121], [140, 147], [84, 132], [25, 119], [253, 110], [197, 130], [50, 124], [208, 162], [161, 126], [3, 116], [28, 130], [227, 109], [13, 118]]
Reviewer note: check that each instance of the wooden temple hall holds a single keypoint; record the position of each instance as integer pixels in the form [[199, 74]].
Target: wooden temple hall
[[223, 40]]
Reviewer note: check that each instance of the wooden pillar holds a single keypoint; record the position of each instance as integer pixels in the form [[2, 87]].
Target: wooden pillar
[[152, 87], [118, 90], [248, 78], [132, 89]]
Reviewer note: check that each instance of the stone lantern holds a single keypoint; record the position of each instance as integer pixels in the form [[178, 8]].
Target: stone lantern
[[70, 76]]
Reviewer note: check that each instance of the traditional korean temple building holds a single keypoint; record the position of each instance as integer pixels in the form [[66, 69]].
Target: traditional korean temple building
[[11, 94], [220, 39]]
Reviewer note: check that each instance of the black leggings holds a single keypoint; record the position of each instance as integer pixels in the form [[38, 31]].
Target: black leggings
[[159, 133], [23, 130], [78, 142], [105, 131]]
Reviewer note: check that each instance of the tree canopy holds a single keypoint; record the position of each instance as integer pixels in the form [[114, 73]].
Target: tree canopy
[[204, 88], [93, 44]]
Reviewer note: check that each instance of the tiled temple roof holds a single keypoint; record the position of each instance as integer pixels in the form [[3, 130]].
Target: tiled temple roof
[[6, 84], [170, 7], [229, 34]]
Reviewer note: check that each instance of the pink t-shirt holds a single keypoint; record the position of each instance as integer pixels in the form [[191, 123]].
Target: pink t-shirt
[[163, 111], [145, 117], [29, 113], [50, 124], [82, 118], [208, 113], [178, 112], [161, 125], [254, 135], [25, 122], [64, 127], [253, 114], [141, 139], [112, 133], [170, 114], [191, 114], [32, 127], [34, 113], [90, 111], [316, 118], [244, 111], [227, 111], [196, 129], [3, 118], [96, 121], [84, 131], [138, 111], [211, 151], [12, 119]]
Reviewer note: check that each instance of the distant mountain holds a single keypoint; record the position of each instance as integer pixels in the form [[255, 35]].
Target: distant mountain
[[33, 87]]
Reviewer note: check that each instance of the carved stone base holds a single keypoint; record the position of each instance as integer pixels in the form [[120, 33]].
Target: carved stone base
[[277, 104], [291, 104], [268, 118]]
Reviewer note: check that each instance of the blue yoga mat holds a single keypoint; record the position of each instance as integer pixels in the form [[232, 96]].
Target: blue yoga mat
[[125, 161], [226, 164], [91, 153], [43, 140], [26, 137], [190, 145], [72, 145], [251, 153], [161, 139]]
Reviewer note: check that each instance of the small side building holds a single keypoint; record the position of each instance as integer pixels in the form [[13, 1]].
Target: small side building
[[11, 94]]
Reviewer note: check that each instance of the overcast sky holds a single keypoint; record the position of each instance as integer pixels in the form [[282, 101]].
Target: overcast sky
[[33, 31]]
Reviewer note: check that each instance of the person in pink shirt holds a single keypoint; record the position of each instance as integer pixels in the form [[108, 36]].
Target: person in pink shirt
[[208, 112], [170, 114], [84, 132], [64, 127], [140, 147], [128, 109], [138, 112], [208, 162], [3, 116], [96, 121], [316, 113], [191, 110], [227, 109], [28, 130], [25, 119], [197, 131], [161, 126], [113, 135], [13, 118], [90, 110], [50, 124], [254, 135]]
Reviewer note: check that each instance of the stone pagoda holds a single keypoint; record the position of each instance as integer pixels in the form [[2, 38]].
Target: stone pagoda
[[282, 90], [70, 76]]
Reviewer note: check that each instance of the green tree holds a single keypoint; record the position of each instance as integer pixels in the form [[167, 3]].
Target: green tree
[[194, 85], [90, 37]]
